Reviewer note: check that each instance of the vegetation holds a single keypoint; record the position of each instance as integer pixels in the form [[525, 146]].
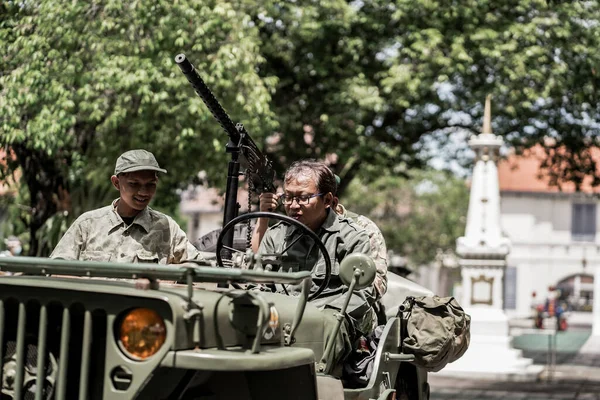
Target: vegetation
[[361, 83], [371, 79], [419, 216], [84, 81]]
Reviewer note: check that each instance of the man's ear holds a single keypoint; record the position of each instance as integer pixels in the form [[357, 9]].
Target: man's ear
[[115, 181], [334, 202], [328, 199]]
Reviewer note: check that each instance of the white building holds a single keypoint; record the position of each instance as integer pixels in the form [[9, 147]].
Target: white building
[[553, 234], [203, 206]]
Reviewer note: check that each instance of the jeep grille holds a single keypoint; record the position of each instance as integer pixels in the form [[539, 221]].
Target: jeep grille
[[47, 352]]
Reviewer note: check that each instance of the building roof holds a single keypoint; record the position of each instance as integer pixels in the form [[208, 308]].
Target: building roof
[[521, 173]]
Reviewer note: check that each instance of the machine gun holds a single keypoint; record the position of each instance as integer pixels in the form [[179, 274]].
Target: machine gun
[[258, 169]]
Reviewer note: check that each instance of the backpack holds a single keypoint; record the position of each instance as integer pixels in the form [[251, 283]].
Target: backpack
[[435, 330]]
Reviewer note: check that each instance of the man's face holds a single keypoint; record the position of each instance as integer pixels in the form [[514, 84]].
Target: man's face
[[136, 189], [312, 214]]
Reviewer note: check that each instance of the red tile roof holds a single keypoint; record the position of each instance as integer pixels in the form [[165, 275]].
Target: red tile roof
[[522, 174]]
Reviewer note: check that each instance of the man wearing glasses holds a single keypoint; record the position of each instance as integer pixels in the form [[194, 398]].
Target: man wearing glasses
[[270, 202], [309, 188]]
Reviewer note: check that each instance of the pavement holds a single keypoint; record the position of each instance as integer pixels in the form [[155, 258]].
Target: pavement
[[574, 375]]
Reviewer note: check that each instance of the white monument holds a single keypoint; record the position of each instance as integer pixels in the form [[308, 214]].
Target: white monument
[[482, 257], [596, 304]]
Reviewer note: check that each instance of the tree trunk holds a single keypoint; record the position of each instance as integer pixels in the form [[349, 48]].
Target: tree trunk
[[345, 180], [43, 178]]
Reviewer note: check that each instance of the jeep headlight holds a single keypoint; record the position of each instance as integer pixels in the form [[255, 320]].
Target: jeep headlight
[[141, 333]]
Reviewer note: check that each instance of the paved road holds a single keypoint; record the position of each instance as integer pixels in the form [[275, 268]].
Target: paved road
[[563, 389], [576, 375]]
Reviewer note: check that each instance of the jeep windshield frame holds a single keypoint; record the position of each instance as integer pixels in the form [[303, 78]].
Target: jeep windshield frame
[[174, 272]]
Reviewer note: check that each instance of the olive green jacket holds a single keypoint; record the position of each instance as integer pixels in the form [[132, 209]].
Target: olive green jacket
[[341, 236]]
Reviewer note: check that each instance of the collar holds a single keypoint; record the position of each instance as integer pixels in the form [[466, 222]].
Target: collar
[[341, 210], [332, 222], [143, 218]]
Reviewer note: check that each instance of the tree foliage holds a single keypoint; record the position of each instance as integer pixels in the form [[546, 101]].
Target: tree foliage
[[370, 79], [419, 216], [84, 81], [361, 83]]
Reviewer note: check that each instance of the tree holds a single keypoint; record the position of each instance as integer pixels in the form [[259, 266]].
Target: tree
[[361, 83], [329, 57], [82, 82], [369, 80], [419, 216]]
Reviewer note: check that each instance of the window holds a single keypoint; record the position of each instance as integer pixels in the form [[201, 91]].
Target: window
[[583, 222]]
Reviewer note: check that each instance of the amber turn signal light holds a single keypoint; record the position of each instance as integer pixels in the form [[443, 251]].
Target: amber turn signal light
[[142, 333]]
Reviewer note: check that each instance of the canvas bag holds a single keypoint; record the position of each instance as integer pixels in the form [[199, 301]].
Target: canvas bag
[[436, 330]]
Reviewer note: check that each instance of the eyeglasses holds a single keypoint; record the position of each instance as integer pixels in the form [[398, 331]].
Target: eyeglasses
[[301, 200]]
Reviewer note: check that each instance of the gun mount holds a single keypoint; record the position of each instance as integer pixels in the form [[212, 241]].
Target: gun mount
[[258, 169]]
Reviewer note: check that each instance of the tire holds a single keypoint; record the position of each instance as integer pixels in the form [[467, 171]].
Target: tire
[[407, 383]]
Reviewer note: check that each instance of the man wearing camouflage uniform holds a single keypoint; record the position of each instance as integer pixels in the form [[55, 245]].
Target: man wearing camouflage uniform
[[378, 247], [128, 230], [309, 197]]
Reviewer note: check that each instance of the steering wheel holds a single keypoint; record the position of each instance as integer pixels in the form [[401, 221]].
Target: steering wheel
[[284, 218]]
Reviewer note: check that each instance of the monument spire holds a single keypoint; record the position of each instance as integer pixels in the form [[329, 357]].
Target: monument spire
[[482, 257], [487, 115], [483, 236]]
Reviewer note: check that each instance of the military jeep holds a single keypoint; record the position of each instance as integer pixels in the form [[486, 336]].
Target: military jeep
[[204, 329], [91, 330]]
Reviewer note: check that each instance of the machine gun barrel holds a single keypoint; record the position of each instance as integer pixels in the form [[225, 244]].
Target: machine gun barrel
[[209, 99], [260, 169]]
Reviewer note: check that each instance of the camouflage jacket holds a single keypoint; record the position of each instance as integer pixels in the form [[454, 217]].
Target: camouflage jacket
[[378, 247], [102, 235], [341, 237]]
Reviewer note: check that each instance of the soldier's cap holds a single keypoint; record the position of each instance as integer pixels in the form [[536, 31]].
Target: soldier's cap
[[137, 160]]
